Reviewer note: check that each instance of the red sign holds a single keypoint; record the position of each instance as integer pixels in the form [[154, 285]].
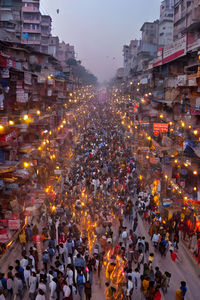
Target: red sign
[[156, 133], [195, 112], [14, 224], [4, 223], [8, 138], [161, 127], [174, 50]]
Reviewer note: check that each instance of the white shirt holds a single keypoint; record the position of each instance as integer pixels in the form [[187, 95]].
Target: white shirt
[[40, 297], [156, 238], [130, 287], [27, 274], [42, 287], [66, 291], [70, 277], [52, 287], [24, 263], [33, 283], [33, 260]]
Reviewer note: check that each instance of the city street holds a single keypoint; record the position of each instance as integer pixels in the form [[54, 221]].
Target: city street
[[99, 150]]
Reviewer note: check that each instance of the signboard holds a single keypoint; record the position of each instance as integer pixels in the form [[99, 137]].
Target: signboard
[[27, 78], [4, 238], [195, 112], [192, 81], [156, 132], [182, 80], [158, 61], [161, 127], [38, 201], [8, 138], [14, 224], [193, 40], [174, 50]]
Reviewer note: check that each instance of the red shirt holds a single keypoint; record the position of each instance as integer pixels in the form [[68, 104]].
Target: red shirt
[[174, 256], [157, 296]]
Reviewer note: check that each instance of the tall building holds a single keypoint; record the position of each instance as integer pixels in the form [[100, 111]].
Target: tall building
[[187, 22], [45, 32], [166, 23], [130, 54], [31, 23], [10, 20], [65, 52], [150, 32], [53, 46]]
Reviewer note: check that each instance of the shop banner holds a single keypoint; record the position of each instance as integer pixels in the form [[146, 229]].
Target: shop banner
[[4, 223], [174, 50], [161, 127], [38, 201], [4, 238], [27, 78], [14, 224]]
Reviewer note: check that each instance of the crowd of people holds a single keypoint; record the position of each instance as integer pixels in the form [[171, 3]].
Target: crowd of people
[[93, 235]]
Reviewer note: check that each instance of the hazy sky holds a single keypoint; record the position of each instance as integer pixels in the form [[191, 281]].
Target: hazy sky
[[99, 28]]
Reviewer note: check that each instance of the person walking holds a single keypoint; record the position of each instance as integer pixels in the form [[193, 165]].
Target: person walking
[[180, 293], [124, 236], [80, 283], [88, 290], [32, 286]]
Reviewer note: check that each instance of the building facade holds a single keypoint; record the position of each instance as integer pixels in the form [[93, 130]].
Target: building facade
[[65, 52], [53, 46], [45, 32], [150, 32], [31, 23], [10, 20], [166, 23], [130, 55]]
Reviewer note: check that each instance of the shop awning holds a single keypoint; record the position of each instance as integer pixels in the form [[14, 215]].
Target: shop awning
[[27, 149], [7, 167]]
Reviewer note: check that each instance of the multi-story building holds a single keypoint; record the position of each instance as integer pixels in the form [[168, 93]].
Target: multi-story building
[[53, 46], [186, 17], [10, 19], [65, 52], [148, 47], [45, 32], [166, 23], [130, 54], [150, 32], [31, 23]]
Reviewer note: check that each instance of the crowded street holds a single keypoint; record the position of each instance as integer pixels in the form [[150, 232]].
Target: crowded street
[[99, 150], [92, 240]]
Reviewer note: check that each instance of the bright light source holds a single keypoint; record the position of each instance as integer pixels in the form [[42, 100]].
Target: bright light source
[[195, 132], [25, 117], [26, 164]]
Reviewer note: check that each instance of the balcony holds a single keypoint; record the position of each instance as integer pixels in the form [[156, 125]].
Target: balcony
[[31, 21], [30, 30], [30, 9], [32, 42]]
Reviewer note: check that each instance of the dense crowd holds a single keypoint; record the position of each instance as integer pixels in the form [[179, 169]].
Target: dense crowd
[[93, 234]]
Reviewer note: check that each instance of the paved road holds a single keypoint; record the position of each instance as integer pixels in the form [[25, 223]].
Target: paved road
[[183, 270]]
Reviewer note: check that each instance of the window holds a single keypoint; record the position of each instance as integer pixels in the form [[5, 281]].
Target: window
[[26, 26]]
